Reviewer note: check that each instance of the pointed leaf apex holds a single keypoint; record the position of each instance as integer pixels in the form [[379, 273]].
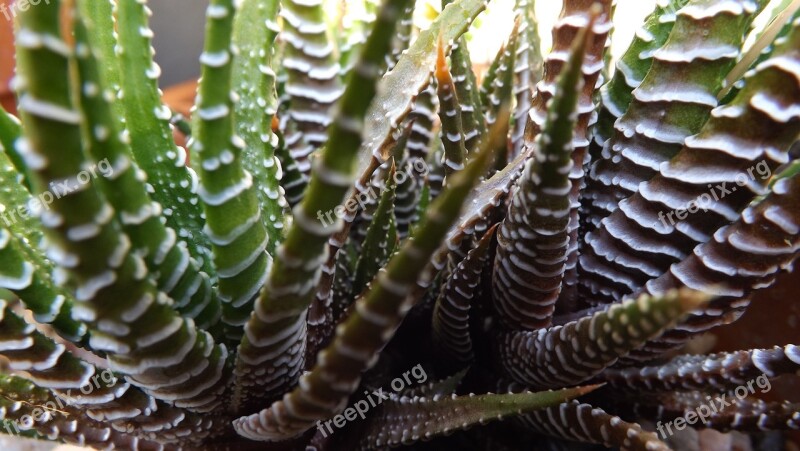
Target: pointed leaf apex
[[442, 70]]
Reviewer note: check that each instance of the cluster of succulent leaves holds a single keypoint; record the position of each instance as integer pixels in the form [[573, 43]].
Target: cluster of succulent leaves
[[353, 203]]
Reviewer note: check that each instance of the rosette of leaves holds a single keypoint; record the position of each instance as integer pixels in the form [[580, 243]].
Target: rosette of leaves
[[353, 203]]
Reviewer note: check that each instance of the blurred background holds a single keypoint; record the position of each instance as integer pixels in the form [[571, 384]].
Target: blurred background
[[178, 27]]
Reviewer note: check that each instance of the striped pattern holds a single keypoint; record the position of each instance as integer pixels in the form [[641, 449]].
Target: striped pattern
[[503, 86], [631, 69], [672, 102], [254, 32], [399, 89], [325, 390], [313, 83], [583, 423], [22, 412], [402, 37], [744, 415], [533, 240], [451, 314], [405, 420], [652, 229], [271, 354], [743, 257], [179, 275], [228, 195], [719, 372], [92, 391], [574, 15], [573, 353], [527, 71], [127, 317], [170, 181], [467, 92], [380, 240], [455, 152]]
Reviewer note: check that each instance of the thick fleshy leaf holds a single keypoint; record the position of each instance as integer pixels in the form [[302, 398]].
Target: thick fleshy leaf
[[174, 184], [227, 192], [583, 423], [631, 70], [533, 240], [451, 314], [313, 84], [177, 273], [272, 350], [672, 102], [704, 186], [455, 151], [28, 410], [719, 372], [254, 31], [528, 69], [407, 420], [740, 258], [127, 316], [571, 354], [324, 391]]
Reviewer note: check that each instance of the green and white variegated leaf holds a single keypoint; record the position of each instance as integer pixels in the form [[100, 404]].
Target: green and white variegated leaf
[[227, 192], [455, 151], [128, 318], [672, 102], [272, 351], [407, 420], [24, 269], [381, 237], [467, 92], [423, 115], [402, 37], [50, 365], [577, 351], [533, 239], [503, 87], [705, 186], [528, 68], [172, 184], [254, 32], [10, 132], [23, 273], [375, 318], [631, 70], [175, 271], [358, 16], [313, 84]]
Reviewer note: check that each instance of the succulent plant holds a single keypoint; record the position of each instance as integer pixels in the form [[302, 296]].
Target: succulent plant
[[365, 247]]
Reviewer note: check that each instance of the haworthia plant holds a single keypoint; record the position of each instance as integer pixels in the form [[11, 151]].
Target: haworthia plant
[[412, 278]]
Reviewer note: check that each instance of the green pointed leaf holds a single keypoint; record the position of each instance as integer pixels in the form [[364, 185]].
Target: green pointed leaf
[[371, 324], [533, 239], [254, 33], [408, 420], [547, 358], [174, 185], [381, 238]]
